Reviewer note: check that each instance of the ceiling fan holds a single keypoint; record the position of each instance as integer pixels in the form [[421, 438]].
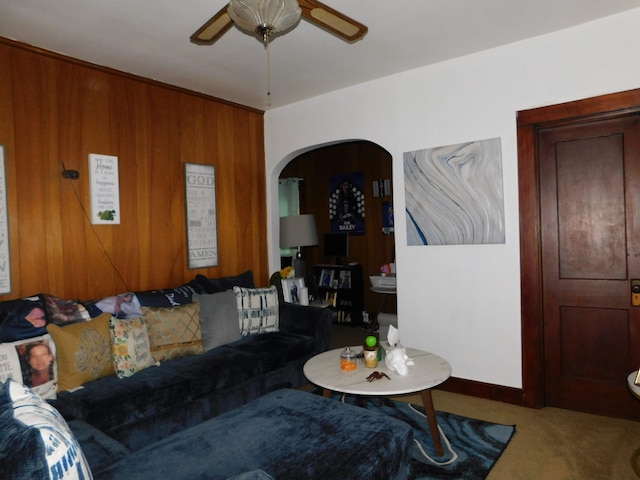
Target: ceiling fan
[[244, 14]]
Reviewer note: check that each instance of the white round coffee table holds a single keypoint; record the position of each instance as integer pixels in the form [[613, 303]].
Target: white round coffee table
[[429, 371]]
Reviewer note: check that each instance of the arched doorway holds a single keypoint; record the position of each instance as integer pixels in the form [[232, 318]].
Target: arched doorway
[[316, 167]]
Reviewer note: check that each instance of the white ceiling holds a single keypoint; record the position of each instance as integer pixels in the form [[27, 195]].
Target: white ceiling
[[150, 38]]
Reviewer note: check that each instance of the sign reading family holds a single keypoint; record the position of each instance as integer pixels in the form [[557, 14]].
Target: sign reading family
[[202, 226], [5, 265], [105, 189]]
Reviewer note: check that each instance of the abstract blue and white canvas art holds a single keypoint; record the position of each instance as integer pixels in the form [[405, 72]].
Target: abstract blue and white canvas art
[[454, 194]]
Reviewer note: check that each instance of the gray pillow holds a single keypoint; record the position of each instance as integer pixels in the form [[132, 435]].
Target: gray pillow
[[218, 318]]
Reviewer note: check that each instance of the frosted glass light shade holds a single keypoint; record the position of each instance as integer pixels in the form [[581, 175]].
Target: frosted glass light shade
[[256, 16]]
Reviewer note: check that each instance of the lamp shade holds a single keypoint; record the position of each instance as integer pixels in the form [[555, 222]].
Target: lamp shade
[[298, 231], [256, 15]]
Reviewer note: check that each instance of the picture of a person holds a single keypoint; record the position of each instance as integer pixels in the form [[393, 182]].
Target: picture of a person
[[39, 359], [347, 203], [125, 305], [36, 317], [294, 294]]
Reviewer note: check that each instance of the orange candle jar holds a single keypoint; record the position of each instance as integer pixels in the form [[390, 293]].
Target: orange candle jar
[[348, 359]]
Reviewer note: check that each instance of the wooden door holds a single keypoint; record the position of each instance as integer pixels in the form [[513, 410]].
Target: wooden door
[[590, 235]]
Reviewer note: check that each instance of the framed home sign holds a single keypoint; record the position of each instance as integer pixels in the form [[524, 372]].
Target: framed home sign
[[5, 254], [202, 223], [104, 186]]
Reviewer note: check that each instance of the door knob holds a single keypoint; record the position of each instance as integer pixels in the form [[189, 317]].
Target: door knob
[[635, 293]]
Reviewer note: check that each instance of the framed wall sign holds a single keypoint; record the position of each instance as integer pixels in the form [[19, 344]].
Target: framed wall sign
[[5, 253], [104, 186], [202, 222]]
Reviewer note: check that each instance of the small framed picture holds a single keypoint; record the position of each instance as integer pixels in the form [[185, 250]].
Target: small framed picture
[[292, 289], [326, 278]]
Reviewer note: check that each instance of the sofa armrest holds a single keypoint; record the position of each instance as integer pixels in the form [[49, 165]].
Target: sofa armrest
[[312, 321]]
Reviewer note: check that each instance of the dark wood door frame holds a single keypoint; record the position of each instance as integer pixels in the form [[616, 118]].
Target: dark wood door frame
[[528, 123]]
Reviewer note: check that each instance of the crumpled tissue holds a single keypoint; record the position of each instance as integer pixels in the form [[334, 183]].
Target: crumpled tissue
[[395, 357]]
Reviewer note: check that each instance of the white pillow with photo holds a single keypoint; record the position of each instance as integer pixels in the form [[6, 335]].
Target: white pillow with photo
[[31, 362]]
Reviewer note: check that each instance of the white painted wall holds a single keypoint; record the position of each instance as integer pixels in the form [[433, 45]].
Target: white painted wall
[[461, 302]]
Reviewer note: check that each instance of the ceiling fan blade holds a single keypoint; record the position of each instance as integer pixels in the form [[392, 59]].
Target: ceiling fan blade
[[335, 22], [213, 28]]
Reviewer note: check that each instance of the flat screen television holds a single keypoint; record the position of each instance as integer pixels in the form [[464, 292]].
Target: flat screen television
[[336, 245]]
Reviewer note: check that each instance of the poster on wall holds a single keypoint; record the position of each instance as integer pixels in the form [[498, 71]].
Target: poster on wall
[[454, 194], [202, 226], [5, 254], [104, 186], [346, 203], [388, 225]]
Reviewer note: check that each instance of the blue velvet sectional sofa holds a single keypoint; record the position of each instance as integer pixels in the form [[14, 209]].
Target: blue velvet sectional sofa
[[229, 410]]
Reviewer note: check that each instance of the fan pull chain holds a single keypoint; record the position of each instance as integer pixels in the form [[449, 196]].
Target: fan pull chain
[[266, 46]]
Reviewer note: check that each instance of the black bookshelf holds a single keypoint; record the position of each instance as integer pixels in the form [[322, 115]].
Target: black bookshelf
[[342, 287]]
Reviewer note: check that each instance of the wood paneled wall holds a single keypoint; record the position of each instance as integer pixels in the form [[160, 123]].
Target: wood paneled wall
[[371, 249], [56, 110]]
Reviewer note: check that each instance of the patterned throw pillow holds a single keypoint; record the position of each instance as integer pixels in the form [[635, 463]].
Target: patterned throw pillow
[[130, 344], [257, 310], [43, 445], [84, 351], [173, 332], [31, 362]]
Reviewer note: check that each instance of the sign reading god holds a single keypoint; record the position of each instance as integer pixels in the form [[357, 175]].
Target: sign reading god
[[202, 226], [105, 189], [5, 254]]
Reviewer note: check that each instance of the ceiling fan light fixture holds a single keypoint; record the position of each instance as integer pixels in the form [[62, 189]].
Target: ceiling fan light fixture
[[264, 17]]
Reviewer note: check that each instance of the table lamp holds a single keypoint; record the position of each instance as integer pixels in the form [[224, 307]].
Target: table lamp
[[298, 231]]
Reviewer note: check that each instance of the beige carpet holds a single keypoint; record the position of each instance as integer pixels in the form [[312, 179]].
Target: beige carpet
[[549, 444]]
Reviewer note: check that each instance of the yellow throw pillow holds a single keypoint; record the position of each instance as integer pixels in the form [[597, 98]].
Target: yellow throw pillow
[[173, 332], [83, 351]]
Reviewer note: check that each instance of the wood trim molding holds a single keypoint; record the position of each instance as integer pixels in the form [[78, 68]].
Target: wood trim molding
[[483, 390], [528, 123]]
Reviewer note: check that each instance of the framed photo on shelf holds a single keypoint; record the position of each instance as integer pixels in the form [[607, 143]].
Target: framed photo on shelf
[[345, 279], [291, 289], [326, 277]]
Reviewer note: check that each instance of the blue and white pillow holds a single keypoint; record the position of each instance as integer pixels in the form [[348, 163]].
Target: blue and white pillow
[[36, 442], [257, 310]]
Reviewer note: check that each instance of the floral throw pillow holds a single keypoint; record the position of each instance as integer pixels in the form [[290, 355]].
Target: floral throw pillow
[[130, 346]]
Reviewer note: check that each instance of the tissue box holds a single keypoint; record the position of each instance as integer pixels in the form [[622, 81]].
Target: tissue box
[[378, 281]]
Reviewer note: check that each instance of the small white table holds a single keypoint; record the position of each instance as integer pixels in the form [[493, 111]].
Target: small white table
[[631, 379], [635, 390], [429, 371]]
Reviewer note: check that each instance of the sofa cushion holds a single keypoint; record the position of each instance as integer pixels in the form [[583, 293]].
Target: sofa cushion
[[36, 440], [22, 318], [130, 346], [99, 449], [257, 310], [252, 475], [215, 370], [19, 360], [169, 297], [110, 403], [214, 285], [173, 332], [83, 351], [338, 441], [117, 406], [277, 348], [64, 312], [218, 318]]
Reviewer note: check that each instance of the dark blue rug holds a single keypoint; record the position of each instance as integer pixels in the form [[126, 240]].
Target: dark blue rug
[[471, 447]]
